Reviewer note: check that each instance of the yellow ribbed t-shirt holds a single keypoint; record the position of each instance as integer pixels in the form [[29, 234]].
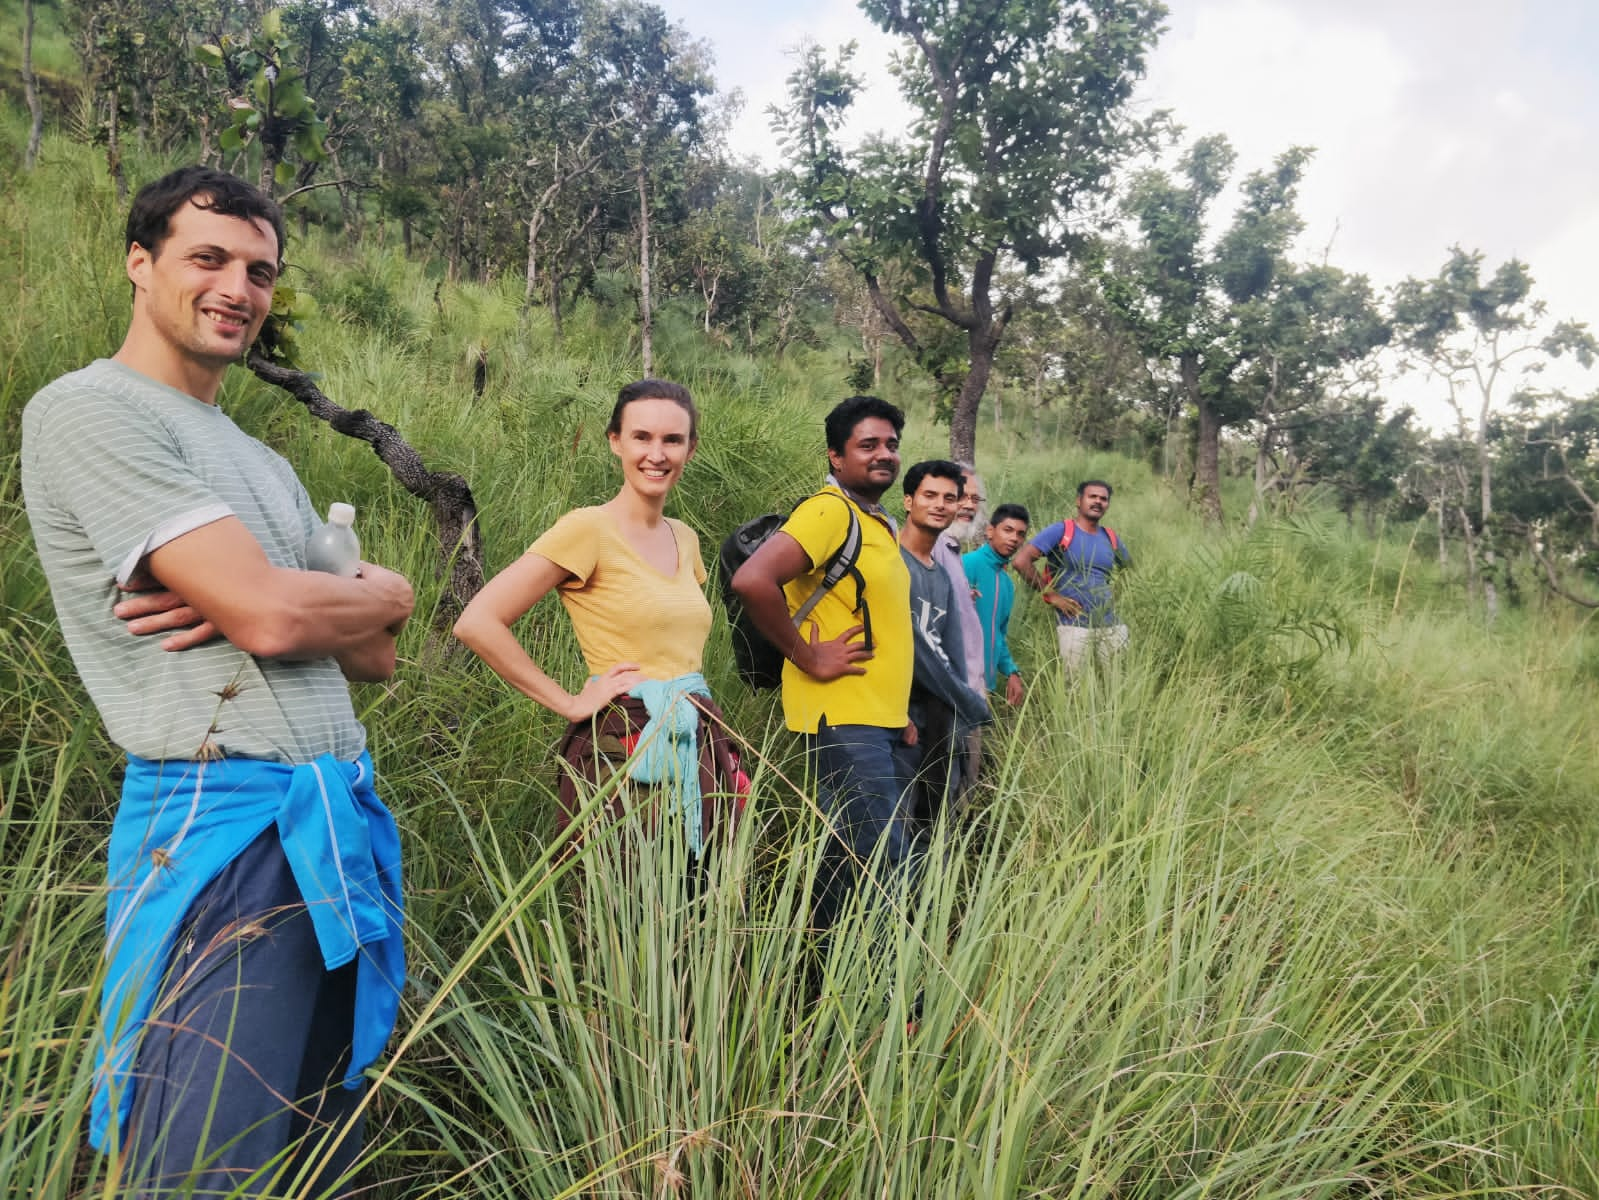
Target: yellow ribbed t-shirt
[[622, 608], [880, 696]]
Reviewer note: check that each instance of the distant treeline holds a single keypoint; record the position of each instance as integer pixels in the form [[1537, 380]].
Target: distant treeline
[[1031, 243]]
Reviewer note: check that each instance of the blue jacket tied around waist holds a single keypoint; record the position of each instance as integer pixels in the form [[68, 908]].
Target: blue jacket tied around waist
[[668, 746], [182, 822]]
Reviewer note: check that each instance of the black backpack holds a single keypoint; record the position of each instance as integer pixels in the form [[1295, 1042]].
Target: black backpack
[[760, 664]]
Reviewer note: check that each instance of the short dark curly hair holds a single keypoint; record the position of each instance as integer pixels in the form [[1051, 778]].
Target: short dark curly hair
[[849, 413], [150, 218], [936, 468]]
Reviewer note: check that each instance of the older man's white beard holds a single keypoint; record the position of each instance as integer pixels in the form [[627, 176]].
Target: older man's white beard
[[963, 530]]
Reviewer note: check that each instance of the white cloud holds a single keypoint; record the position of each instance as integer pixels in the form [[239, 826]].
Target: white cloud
[[756, 47]]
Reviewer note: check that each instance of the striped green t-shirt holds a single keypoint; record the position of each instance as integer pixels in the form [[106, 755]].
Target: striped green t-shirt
[[115, 465]]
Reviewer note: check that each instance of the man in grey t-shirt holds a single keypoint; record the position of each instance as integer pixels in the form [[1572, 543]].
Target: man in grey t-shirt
[[944, 707], [247, 976]]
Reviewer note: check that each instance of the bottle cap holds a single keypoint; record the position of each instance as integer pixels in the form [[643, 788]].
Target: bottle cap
[[341, 514]]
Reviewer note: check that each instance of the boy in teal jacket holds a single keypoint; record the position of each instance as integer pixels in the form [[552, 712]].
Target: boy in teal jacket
[[995, 593]]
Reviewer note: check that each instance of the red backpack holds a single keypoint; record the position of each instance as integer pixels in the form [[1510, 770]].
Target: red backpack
[[1055, 560]]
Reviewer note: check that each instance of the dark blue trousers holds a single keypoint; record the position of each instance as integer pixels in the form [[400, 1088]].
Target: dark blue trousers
[[863, 791], [240, 1073]]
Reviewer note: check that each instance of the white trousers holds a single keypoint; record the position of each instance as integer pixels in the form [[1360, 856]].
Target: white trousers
[[1077, 640]]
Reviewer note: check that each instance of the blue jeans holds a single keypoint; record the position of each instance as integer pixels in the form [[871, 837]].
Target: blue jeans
[[863, 791]]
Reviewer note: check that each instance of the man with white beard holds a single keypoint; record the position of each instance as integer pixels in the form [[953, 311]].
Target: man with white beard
[[971, 521], [971, 518]]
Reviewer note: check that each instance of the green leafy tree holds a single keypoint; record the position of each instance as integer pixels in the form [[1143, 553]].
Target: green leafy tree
[[1481, 338], [731, 251], [1357, 451], [275, 112], [1306, 349], [1547, 488], [1167, 290], [108, 39], [484, 52], [1067, 357], [1439, 480], [566, 188], [656, 76], [381, 87], [1251, 336], [1022, 115], [567, 167]]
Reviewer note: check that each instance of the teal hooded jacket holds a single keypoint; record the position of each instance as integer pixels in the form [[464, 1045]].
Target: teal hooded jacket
[[995, 594]]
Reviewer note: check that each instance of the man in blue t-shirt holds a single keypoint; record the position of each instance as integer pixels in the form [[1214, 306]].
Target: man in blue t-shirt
[[1080, 554]]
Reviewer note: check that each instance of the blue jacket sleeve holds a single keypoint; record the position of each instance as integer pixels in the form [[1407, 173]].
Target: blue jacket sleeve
[[1004, 601]]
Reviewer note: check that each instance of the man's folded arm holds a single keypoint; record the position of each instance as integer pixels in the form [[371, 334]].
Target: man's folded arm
[[221, 572]]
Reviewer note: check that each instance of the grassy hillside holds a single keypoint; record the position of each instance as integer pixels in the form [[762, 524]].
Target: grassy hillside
[[1299, 902]]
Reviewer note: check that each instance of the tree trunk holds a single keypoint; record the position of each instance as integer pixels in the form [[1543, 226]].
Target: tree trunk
[[347, 213], [113, 147], [1490, 594], [981, 344], [452, 266], [1485, 468], [1470, 539], [532, 278], [207, 154], [1207, 472], [646, 350], [30, 87], [709, 295], [1257, 502]]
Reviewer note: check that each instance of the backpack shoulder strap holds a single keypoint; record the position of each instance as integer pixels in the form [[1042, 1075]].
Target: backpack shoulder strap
[[839, 564], [1071, 528]]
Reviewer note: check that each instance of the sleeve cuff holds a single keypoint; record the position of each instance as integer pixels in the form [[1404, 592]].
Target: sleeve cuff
[[169, 531]]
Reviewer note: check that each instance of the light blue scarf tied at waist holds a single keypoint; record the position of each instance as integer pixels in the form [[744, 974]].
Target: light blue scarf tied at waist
[[179, 824], [668, 746]]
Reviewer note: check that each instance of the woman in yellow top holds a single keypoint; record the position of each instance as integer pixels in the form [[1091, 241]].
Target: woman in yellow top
[[632, 582]]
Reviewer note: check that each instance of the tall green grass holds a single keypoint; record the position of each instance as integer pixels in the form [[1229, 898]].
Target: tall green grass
[[1296, 900]]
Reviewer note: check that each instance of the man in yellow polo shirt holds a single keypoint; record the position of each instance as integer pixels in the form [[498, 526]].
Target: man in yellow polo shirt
[[847, 678]]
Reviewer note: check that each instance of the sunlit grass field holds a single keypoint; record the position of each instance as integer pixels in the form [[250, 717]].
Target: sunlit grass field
[[1298, 901]]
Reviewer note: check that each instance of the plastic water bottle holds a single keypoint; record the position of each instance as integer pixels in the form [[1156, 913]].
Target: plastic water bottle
[[334, 548]]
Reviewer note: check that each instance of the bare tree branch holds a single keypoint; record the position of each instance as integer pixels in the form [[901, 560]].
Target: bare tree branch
[[890, 314], [311, 187]]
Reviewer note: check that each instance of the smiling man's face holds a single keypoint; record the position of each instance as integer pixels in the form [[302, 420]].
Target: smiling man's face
[[206, 291], [869, 462]]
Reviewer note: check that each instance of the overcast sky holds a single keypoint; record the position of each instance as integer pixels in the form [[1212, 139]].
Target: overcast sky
[[1434, 121]]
